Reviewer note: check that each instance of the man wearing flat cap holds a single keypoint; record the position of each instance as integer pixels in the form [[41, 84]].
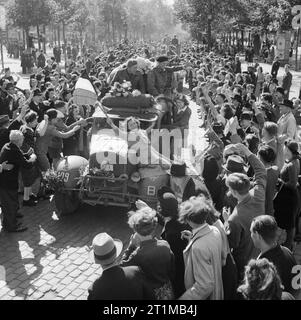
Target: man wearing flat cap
[[36, 104], [160, 79], [129, 72]]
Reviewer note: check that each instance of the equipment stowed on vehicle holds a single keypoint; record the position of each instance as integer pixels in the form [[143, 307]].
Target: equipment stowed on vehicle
[[108, 178]]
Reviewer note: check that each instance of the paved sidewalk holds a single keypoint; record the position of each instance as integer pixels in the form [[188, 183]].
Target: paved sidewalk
[[296, 85]]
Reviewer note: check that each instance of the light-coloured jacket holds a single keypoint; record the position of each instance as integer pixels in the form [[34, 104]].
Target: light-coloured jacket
[[287, 126], [203, 265]]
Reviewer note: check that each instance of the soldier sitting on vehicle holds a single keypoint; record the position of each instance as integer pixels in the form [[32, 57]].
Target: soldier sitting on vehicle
[[129, 73], [160, 79]]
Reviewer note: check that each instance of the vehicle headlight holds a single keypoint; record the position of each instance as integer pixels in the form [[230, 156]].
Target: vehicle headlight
[[135, 177]]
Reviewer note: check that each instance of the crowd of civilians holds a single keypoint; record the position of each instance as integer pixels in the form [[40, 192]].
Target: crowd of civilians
[[216, 240]]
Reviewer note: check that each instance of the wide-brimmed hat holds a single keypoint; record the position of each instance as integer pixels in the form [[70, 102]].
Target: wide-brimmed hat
[[280, 90], [106, 250], [37, 92], [288, 103], [246, 116], [235, 164], [178, 170], [162, 59], [293, 147], [10, 86]]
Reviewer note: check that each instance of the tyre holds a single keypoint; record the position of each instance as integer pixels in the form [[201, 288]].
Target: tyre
[[67, 202]]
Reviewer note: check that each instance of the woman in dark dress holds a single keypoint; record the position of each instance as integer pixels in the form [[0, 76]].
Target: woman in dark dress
[[172, 233], [71, 145], [286, 203], [31, 176]]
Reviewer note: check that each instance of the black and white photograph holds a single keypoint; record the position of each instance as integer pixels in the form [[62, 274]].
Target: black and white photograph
[[150, 151]]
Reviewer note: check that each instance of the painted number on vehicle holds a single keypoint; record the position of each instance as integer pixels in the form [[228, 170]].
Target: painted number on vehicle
[[151, 191], [64, 175]]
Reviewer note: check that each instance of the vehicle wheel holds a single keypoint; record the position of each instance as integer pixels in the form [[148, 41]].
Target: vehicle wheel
[[66, 202]]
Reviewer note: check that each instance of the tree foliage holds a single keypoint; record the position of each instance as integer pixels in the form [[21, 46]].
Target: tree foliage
[[80, 17], [27, 13], [263, 15]]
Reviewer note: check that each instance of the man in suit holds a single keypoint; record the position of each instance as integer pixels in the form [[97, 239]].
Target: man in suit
[[287, 82], [275, 68], [250, 204], [12, 154], [116, 282], [203, 254], [36, 104], [181, 119], [237, 65], [264, 233]]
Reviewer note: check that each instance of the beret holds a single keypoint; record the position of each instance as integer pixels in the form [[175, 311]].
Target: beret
[[162, 59]]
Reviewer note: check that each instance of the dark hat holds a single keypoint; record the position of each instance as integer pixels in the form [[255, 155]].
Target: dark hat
[[162, 59], [246, 116], [178, 170], [280, 90], [218, 128], [235, 164], [293, 147], [288, 103], [183, 98], [9, 86], [4, 119], [37, 92], [211, 168], [237, 98], [39, 77]]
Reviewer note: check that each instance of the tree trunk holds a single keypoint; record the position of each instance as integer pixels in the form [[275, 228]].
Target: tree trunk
[[55, 35], [39, 40], [113, 27], [27, 37], [242, 40], [209, 35], [24, 39], [65, 44], [59, 35], [45, 39]]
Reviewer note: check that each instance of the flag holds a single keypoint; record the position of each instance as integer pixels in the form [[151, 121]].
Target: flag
[[84, 93]]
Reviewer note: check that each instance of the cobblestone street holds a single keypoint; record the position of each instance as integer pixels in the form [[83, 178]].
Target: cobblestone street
[[51, 260]]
